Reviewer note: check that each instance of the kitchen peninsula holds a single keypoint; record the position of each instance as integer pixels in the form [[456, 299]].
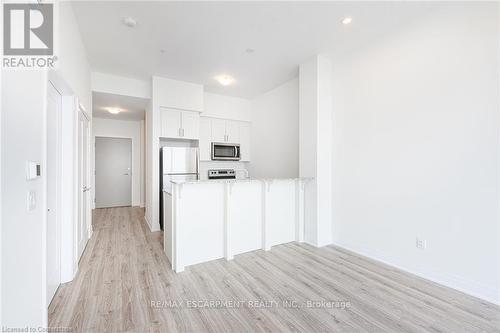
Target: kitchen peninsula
[[213, 219]]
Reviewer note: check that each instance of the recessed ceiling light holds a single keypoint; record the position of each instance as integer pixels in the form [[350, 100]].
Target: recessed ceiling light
[[114, 110], [347, 20], [225, 80], [129, 22]]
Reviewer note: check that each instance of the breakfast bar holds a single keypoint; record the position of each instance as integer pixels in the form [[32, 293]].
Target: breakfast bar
[[212, 219]]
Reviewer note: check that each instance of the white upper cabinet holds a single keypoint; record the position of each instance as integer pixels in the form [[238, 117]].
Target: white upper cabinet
[[179, 124], [225, 130], [244, 132], [190, 125], [170, 123], [222, 130], [178, 94], [218, 130], [205, 139], [232, 131]]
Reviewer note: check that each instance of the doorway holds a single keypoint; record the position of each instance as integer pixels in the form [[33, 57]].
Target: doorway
[[113, 173], [54, 105]]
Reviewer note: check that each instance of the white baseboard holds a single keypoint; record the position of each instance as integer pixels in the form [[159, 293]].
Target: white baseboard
[[155, 229], [466, 286], [147, 221]]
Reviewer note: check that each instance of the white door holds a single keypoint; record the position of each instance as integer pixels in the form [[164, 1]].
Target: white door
[[218, 130], [113, 172], [54, 102], [190, 125], [83, 184], [170, 123], [232, 131]]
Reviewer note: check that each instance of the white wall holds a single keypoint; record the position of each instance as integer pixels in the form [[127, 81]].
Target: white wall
[[123, 129], [226, 107], [23, 231], [315, 133], [120, 85], [275, 133], [72, 63], [23, 126], [417, 148]]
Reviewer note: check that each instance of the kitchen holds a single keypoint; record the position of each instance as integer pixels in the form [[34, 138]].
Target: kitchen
[[209, 206]]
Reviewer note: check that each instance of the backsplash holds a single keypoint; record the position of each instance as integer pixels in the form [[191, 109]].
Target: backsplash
[[239, 167]]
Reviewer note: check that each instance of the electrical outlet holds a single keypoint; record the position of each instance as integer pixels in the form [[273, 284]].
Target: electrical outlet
[[421, 244]]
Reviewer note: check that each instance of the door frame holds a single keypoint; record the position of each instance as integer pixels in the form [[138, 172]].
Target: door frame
[[59, 189], [132, 171], [69, 179], [88, 222]]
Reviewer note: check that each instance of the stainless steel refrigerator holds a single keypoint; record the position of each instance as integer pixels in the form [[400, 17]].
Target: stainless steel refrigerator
[[176, 164]]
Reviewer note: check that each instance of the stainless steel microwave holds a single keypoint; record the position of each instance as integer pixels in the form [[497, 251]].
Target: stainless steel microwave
[[225, 151]]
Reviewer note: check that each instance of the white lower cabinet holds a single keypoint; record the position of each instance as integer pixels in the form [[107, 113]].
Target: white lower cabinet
[[179, 124], [222, 130]]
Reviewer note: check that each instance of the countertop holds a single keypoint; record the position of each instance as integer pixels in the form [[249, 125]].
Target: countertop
[[226, 181]]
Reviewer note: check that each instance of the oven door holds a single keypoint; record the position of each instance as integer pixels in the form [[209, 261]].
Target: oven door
[[225, 151]]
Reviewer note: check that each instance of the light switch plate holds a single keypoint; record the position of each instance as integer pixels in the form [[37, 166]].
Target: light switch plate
[[421, 243], [31, 200]]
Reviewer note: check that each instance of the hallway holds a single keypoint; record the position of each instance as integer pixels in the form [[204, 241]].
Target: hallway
[[124, 285]]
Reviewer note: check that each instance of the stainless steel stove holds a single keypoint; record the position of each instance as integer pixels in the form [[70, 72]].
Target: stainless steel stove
[[222, 174]]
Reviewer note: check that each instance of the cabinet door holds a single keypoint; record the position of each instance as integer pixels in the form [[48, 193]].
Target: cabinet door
[[170, 123], [190, 125], [205, 139], [218, 130], [245, 141], [232, 131]]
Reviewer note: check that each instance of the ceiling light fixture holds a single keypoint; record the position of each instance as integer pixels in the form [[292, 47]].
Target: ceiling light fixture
[[114, 110], [129, 22], [225, 80], [347, 20]]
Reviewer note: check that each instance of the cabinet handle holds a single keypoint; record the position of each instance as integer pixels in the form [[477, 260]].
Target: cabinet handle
[[179, 132], [183, 132]]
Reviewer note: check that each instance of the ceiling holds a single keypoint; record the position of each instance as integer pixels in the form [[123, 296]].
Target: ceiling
[[133, 107], [203, 39]]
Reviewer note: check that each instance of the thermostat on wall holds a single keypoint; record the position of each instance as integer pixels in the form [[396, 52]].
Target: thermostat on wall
[[32, 170]]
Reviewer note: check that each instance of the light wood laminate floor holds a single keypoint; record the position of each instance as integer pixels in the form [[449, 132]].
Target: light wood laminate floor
[[124, 285]]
